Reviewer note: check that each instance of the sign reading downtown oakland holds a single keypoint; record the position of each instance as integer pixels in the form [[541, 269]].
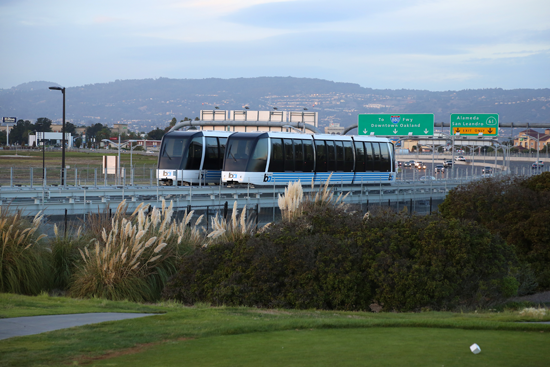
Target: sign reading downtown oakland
[[474, 123], [396, 124]]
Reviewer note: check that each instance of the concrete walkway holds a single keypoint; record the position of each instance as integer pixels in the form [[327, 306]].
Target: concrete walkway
[[21, 326]]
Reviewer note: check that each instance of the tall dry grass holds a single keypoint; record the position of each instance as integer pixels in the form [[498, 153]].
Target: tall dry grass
[[24, 260], [134, 259], [230, 230], [293, 203], [65, 257]]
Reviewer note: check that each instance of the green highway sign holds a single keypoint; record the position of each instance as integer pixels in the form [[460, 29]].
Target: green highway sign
[[396, 124], [474, 124]]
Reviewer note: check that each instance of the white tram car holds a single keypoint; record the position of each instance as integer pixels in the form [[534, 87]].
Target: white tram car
[[191, 157], [277, 158]]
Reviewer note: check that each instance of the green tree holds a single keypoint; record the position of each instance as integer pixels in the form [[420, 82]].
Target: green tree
[[2, 137], [156, 134], [70, 128], [43, 124], [92, 132], [20, 132]]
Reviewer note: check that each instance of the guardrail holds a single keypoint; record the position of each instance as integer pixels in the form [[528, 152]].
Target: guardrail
[[78, 200]]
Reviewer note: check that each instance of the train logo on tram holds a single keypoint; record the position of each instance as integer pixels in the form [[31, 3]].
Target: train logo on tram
[[167, 173], [267, 178]]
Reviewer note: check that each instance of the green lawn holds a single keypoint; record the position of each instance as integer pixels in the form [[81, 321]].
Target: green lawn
[[240, 336], [348, 347]]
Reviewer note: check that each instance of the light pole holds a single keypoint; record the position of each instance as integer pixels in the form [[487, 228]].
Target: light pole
[[63, 138]]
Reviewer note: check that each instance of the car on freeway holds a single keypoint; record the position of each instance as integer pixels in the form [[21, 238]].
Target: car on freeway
[[399, 163], [537, 164], [439, 168], [460, 158], [420, 165], [487, 170], [408, 164], [448, 163], [427, 178]]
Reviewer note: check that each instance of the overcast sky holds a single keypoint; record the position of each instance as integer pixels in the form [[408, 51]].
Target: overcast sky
[[434, 45]]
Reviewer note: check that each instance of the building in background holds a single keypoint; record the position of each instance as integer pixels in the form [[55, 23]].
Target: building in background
[[528, 139], [334, 128], [119, 129], [250, 117]]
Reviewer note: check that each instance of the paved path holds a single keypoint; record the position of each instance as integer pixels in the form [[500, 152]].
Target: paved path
[[20, 326]]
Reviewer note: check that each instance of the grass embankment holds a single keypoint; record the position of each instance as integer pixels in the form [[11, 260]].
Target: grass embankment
[[33, 158], [206, 336]]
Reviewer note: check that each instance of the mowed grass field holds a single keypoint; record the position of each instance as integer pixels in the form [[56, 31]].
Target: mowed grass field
[[33, 158], [82, 166], [239, 336]]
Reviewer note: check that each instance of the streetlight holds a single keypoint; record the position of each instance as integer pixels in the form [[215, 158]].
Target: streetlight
[[63, 138]]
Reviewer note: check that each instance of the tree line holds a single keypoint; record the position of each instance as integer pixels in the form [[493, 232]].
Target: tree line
[[93, 134]]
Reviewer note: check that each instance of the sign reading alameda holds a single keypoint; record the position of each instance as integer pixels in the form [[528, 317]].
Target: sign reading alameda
[[474, 124], [396, 124]]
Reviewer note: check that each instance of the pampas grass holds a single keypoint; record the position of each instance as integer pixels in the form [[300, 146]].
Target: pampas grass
[[136, 256], [23, 259], [533, 312], [232, 229], [65, 256], [293, 203]]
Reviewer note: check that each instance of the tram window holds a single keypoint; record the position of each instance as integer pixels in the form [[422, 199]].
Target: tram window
[[298, 155], [308, 156], [331, 156], [348, 156], [277, 161], [258, 161], [223, 143], [289, 155], [320, 156], [195, 154], [172, 152], [376, 156], [211, 157], [385, 165], [369, 162], [359, 157], [339, 155]]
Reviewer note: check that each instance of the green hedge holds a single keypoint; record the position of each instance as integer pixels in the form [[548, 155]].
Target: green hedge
[[517, 209], [330, 259]]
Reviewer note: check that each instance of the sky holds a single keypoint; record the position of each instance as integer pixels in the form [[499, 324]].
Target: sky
[[432, 45]]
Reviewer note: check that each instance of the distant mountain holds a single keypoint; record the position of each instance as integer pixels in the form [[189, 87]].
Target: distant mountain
[[151, 103]]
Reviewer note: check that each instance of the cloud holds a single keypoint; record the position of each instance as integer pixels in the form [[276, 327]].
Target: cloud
[[103, 19], [303, 13]]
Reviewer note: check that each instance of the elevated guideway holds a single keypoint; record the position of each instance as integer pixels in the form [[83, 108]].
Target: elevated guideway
[[78, 200]]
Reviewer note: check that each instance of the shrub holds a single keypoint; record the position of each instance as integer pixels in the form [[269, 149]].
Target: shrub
[[295, 265], [517, 209], [24, 261], [328, 258]]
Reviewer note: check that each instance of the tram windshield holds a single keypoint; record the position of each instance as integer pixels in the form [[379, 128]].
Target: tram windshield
[[246, 154], [172, 151]]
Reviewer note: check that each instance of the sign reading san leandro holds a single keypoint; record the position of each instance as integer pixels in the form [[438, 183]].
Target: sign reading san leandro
[[396, 124], [474, 123]]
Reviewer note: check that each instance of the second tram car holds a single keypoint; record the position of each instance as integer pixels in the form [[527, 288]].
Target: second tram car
[[272, 158], [191, 157]]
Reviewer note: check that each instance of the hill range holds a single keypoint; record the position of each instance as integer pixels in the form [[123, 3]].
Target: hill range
[[149, 103]]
